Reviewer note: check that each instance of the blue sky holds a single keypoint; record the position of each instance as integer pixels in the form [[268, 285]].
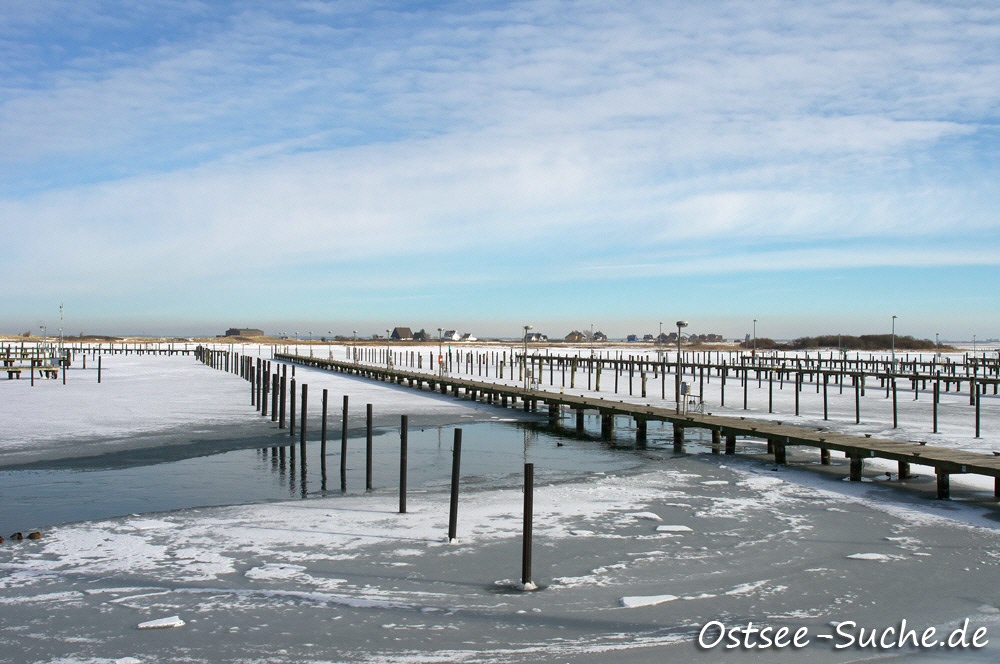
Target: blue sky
[[182, 167]]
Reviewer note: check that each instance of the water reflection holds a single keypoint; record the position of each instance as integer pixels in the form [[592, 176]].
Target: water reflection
[[494, 454]]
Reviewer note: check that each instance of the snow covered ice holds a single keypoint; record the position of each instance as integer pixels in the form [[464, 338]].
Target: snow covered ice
[[630, 561]]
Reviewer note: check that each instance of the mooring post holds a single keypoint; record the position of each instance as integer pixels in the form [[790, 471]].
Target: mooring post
[[529, 502], [825, 406], [274, 397], [895, 415], [824, 456], [343, 449], [678, 438], [903, 468], [456, 462], [730, 442], [716, 441], [291, 409], [368, 447], [978, 400], [322, 429], [302, 420], [402, 463], [857, 402], [284, 397], [98, 368]]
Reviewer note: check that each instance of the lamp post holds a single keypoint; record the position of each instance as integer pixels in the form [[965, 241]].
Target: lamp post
[[677, 381], [524, 358], [754, 337], [893, 344], [388, 355], [440, 355], [354, 347], [937, 344]]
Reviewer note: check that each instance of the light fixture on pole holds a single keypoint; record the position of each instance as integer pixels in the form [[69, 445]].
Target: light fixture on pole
[[754, 337], [440, 354], [893, 344], [524, 358], [677, 380]]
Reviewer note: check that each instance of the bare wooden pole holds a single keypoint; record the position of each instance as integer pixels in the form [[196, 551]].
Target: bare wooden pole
[[456, 462]]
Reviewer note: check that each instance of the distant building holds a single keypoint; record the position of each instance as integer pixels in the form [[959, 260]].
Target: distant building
[[537, 337], [452, 335], [468, 337], [632, 337], [576, 337], [244, 332], [401, 334], [600, 336]]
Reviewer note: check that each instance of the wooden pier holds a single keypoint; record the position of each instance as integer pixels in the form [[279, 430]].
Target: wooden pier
[[724, 429]]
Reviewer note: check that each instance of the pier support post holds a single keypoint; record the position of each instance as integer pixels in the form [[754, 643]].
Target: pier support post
[[678, 438], [904, 470], [857, 466], [943, 485], [607, 425], [716, 441], [640, 431], [779, 453], [579, 420], [824, 456], [730, 443]]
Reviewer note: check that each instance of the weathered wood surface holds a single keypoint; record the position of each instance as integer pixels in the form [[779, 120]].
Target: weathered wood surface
[[779, 435]]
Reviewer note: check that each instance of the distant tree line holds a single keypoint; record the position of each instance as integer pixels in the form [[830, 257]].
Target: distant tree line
[[848, 342]]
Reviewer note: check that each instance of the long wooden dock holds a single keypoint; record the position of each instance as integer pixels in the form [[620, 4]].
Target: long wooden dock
[[724, 430]]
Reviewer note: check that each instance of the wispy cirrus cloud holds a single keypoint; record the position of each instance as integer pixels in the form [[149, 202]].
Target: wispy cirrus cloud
[[376, 130]]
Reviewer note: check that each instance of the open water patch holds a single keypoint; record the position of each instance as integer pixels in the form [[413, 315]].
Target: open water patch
[[131, 482]]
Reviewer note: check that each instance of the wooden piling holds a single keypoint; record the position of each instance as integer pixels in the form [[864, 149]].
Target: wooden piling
[[368, 447], [529, 502], [404, 424], [456, 462], [343, 448], [302, 420]]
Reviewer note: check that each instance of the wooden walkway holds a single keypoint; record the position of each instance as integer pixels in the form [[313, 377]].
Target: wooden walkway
[[724, 430]]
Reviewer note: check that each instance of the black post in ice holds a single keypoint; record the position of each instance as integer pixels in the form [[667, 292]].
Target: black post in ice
[[291, 409], [529, 506], [368, 447], [98, 368], [343, 450], [302, 420], [404, 424], [456, 462]]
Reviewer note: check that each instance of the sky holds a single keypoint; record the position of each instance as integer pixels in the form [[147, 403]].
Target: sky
[[182, 167]]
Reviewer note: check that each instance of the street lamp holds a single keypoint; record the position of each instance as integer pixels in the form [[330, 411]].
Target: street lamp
[[677, 381], [524, 358], [937, 344], [440, 354], [388, 354], [754, 337], [354, 347], [893, 344]]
